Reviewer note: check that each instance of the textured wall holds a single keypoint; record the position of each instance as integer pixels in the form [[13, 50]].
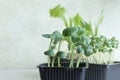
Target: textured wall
[[23, 21]]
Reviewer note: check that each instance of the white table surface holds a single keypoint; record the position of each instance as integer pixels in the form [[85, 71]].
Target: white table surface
[[19, 74]]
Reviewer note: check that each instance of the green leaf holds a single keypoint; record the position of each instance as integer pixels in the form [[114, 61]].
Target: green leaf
[[85, 39], [56, 35], [75, 38], [61, 54], [80, 50], [114, 42], [88, 50], [70, 31], [87, 27], [77, 20], [57, 11], [108, 43], [80, 31], [102, 38], [46, 35], [49, 53]]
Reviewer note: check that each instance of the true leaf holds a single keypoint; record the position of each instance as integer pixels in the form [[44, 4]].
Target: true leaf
[[57, 11], [77, 20]]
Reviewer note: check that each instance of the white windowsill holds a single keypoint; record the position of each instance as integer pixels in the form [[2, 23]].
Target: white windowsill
[[19, 74]]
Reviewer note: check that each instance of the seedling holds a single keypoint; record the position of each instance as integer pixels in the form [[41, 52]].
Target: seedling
[[83, 42]]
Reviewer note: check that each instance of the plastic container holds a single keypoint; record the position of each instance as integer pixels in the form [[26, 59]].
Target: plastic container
[[62, 73], [103, 72]]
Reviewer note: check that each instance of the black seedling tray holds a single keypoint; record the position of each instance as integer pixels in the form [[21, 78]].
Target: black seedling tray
[[62, 73]]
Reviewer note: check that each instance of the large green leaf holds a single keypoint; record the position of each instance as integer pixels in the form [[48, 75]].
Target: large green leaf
[[77, 20], [70, 31], [75, 38], [57, 11]]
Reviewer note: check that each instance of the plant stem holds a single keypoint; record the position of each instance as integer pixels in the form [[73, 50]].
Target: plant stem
[[59, 65], [78, 61], [64, 20], [94, 58], [71, 61], [99, 55], [53, 60], [110, 58], [49, 49], [72, 55], [59, 50], [48, 61]]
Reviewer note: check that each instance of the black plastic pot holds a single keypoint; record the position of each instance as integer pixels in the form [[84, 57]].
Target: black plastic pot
[[62, 73], [103, 72]]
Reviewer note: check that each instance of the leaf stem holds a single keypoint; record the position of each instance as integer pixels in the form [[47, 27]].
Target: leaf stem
[[49, 49], [64, 20], [78, 61], [71, 61], [59, 46], [53, 60], [72, 55]]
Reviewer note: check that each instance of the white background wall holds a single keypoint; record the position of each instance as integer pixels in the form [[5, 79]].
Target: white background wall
[[23, 21]]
